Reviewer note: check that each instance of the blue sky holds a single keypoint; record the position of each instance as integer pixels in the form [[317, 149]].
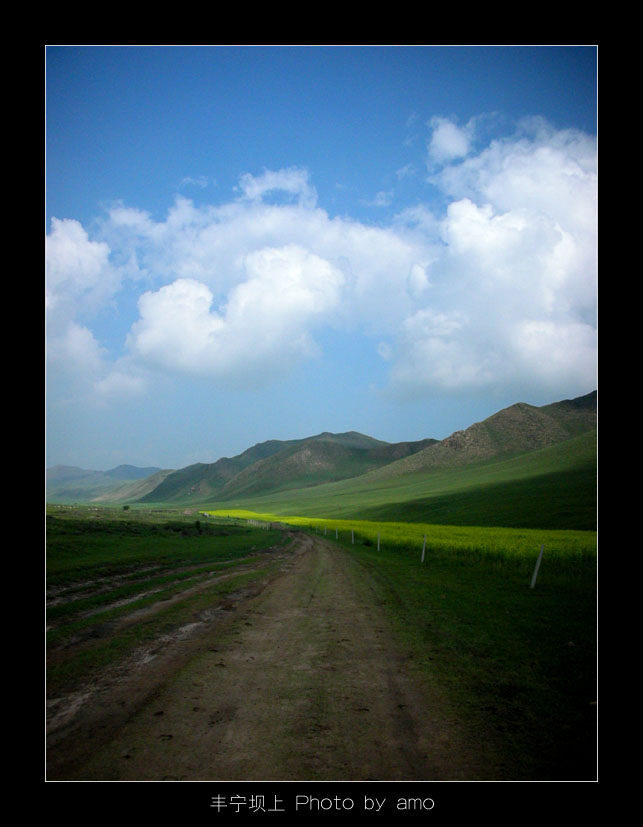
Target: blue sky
[[251, 243]]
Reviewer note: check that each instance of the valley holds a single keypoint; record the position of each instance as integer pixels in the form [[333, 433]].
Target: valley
[[335, 608]]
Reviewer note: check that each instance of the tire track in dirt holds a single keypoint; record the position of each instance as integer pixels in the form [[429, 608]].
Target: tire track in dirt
[[306, 683]]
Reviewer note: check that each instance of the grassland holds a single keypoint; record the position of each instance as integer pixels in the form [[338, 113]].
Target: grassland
[[519, 663], [517, 548], [105, 567], [550, 488]]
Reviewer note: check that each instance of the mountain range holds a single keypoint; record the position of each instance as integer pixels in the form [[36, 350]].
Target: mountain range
[[66, 483], [521, 442]]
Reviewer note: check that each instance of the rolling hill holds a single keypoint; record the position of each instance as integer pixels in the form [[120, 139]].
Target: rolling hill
[[65, 483], [523, 466], [272, 467], [515, 430], [133, 490], [278, 466]]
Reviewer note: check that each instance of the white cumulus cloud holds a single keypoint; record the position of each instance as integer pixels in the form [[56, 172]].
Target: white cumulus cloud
[[517, 266], [496, 284], [79, 277], [263, 328]]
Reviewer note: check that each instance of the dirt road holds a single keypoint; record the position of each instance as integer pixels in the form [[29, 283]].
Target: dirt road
[[302, 681]]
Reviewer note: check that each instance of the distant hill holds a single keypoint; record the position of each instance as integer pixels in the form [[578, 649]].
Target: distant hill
[[130, 472], [326, 458], [132, 491], [276, 466], [522, 466], [202, 481], [552, 487], [513, 430], [66, 483], [68, 473]]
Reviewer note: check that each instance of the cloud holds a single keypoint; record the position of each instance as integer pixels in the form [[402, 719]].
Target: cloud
[[512, 296], [559, 354], [211, 245], [293, 181], [382, 199], [189, 181], [79, 276], [80, 283], [407, 171], [448, 141], [260, 332], [119, 384], [491, 284], [437, 350], [538, 169], [76, 350]]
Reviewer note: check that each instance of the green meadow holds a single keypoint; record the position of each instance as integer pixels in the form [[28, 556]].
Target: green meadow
[[451, 553], [517, 663], [551, 488], [105, 565], [509, 546]]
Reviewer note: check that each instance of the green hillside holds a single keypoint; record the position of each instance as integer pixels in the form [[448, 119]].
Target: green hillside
[[315, 462], [553, 487], [514, 430], [524, 466], [564, 499], [277, 466], [205, 480]]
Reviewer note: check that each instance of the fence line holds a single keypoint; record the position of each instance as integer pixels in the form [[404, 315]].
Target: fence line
[[267, 525]]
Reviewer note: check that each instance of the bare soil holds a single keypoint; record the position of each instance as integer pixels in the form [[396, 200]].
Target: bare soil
[[297, 678]]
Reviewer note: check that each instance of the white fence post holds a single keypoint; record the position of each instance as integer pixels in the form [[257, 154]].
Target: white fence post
[[540, 557], [423, 549], [352, 537], [378, 541]]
